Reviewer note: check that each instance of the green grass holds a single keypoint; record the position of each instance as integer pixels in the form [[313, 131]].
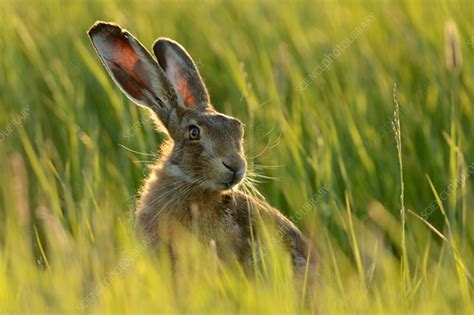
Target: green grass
[[74, 152]]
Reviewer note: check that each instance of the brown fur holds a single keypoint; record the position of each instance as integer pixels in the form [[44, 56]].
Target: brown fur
[[194, 186]]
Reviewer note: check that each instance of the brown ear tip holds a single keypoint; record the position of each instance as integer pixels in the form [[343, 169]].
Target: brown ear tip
[[102, 27], [158, 44], [161, 43]]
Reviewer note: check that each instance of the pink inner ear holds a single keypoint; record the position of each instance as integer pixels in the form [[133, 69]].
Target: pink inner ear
[[181, 82], [124, 66], [183, 89], [124, 55]]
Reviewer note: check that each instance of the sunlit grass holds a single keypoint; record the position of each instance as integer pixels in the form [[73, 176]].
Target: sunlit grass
[[74, 152]]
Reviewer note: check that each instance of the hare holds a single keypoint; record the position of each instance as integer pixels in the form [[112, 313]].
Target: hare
[[194, 186]]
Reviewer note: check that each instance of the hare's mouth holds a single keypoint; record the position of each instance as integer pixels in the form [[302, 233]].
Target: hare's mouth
[[234, 181], [228, 185], [222, 186]]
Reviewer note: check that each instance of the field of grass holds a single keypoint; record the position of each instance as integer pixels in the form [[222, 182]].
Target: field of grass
[[313, 82]]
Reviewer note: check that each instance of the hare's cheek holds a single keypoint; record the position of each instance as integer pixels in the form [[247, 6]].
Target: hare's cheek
[[207, 149], [196, 161], [193, 152]]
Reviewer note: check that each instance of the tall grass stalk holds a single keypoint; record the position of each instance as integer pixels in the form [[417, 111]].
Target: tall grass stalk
[[398, 139]]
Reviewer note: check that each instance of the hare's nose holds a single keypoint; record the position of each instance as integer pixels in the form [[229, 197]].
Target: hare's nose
[[237, 168], [230, 167]]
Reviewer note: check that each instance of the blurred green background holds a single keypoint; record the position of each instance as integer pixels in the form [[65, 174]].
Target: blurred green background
[[74, 153]]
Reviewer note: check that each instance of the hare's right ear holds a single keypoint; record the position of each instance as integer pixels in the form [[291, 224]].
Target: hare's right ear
[[133, 69]]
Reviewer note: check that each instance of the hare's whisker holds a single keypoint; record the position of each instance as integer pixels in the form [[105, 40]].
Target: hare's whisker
[[137, 152]]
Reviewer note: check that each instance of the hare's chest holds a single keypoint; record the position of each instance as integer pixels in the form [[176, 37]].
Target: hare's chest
[[220, 228]]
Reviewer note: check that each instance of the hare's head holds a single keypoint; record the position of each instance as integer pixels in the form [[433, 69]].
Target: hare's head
[[207, 145]]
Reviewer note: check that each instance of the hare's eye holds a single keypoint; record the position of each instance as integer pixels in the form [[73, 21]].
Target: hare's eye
[[194, 133]]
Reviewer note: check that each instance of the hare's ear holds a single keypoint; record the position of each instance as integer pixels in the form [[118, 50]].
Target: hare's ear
[[182, 73], [133, 69]]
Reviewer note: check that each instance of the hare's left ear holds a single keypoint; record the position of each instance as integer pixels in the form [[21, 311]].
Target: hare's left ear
[[182, 72]]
